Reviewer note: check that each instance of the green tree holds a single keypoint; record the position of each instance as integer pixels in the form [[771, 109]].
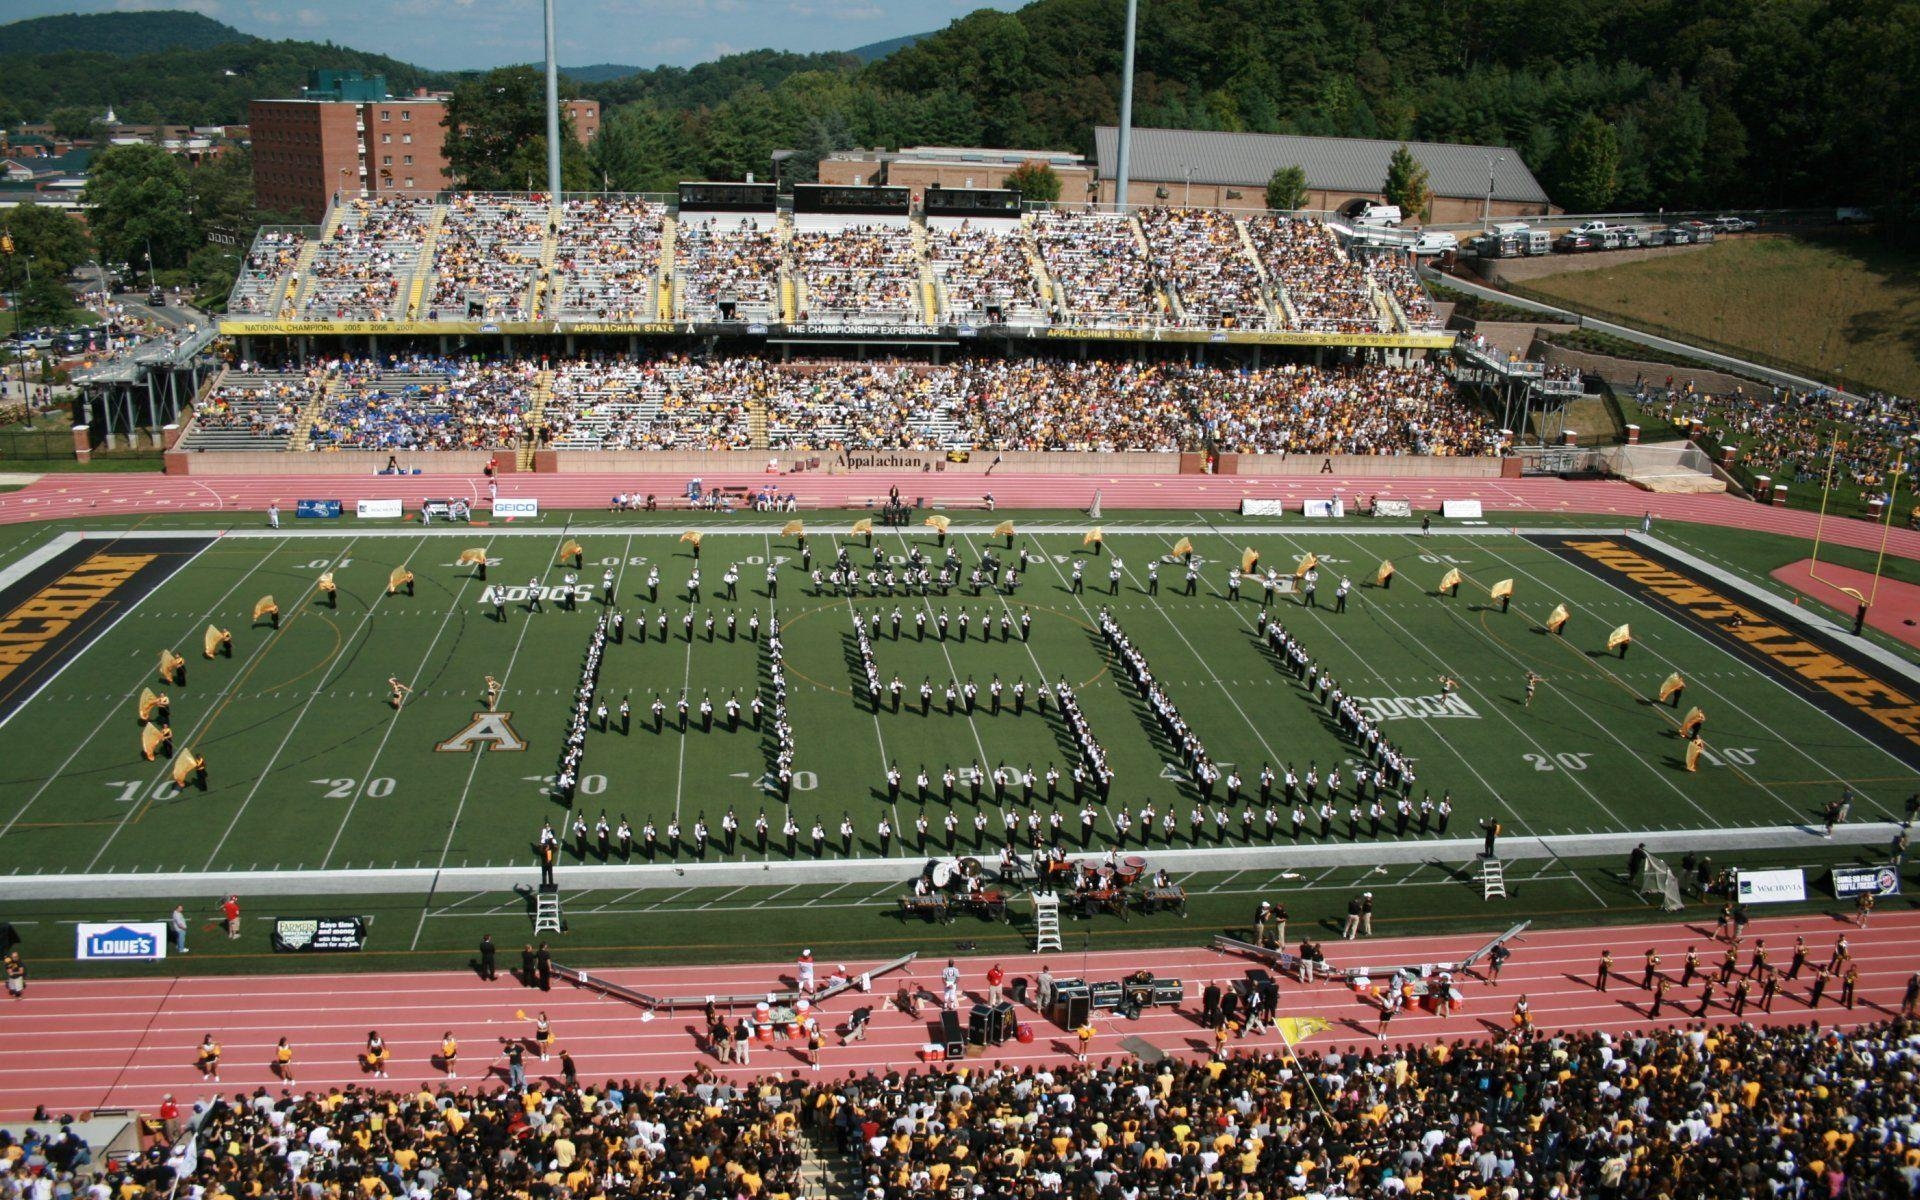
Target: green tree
[[44, 300], [1407, 185], [641, 148], [72, 121], [53, 242], [140, 196], [497, 134], [1035, 180], [1587, 168], [1287, 189]]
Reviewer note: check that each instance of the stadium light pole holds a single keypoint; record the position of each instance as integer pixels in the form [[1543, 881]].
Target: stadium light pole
[[553, 114], [1124, 165]]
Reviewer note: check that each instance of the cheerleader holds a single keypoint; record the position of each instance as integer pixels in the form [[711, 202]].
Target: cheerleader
[[209, 1059], [450, 1054], [399, 692], [283, 1061], [543, 1036], [376, 1055]]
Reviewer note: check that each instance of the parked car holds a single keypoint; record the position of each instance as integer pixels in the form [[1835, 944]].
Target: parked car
[[156, 297], [1572, 242], [1732, 224], [1852, 216]]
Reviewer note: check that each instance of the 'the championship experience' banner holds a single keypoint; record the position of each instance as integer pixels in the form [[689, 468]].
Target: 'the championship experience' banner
[[319, 933]]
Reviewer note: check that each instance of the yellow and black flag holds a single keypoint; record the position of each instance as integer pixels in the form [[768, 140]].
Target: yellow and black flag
[[1249, 561], [265, 607], [1450, 582], [216, 641], [1620, 639], [1383, 578], [794, 529], [1691, 723], [152, 738], [187, 765], [1005, 529], [1557, 620], [399, 577], [863, 525], [575, 551], [1671, 689], [939, 522], [1502, 590], [1695, 748], [150, 703], [173, 668], [1307, 563], [329, 589], [1094, 537]]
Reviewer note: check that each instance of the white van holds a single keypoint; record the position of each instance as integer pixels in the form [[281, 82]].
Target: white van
[[1438, 242], [1379, 214]]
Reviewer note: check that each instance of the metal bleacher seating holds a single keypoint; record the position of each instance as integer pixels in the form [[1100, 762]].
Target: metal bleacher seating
[[607, 259], [366, 263], [252, 411]]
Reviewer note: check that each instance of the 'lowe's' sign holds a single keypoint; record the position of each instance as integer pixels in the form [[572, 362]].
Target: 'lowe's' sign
[[121, 941]]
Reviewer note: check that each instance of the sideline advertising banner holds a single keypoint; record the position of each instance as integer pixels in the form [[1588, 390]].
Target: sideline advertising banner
[[1783, 886], [120, 941], [377, 509]]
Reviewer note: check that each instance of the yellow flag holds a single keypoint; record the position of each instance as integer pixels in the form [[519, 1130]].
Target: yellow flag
[[1003, 529], [1619, 637], [1673, 685], [1557, 619], [1502, 590], [1299, 1029], [1385, 573], [1694, 749], [863, 525], [793, 529], [1183, 547], [691, 535], [1306, 564], [938, 522], [398, 578], [263, 606], [474, 557], [1094, 536], [150, 741], [170, 664], [1690, 725], [1249, 559], [185, 764], [570, 548], [214, 639], [148, 702], [1451, 580], [326, 581]]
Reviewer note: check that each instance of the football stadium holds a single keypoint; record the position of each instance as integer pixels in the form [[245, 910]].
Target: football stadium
[[858, 691]]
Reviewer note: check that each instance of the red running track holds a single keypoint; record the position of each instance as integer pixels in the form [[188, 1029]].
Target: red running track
[[75, 1044], [82, 496]]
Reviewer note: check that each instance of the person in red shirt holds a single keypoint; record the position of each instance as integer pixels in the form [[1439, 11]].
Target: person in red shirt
[[169, 1114], [230, 909], [995, 978]]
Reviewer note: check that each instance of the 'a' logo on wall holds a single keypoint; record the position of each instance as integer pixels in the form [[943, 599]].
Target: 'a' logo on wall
[[493, 729]]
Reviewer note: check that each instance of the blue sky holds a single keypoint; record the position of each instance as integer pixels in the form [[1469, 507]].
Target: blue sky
[[457, 34]]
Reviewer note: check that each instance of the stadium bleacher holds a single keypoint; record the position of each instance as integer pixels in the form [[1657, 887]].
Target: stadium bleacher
[[365, 264], [487, 257], [256, 410], [607, 259]]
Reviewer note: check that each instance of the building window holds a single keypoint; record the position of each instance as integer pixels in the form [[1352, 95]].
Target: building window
[[406, 114], [406, 139], [386, 139], [409, 182], [406, 160], [386, 160], [386, 114]]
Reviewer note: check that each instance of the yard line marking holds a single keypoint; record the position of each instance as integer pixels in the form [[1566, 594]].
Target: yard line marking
[[453, 826], [254, 657], [115, 709], [319, 688]]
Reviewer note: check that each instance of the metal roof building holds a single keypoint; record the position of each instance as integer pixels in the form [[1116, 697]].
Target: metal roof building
[[1230, 170]]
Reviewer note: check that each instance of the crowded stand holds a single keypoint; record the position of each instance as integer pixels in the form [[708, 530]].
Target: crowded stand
[[273, 257], [425, 404], [666, 404], [861, 273], [1792, 435], [251, 410], [722, 261], [486, 257], [607, 258], [865, 405], [362, 266], [1099, 268], [1393, 270], [1365, 410], [1328, 292], [1199, 257], [984, 265]]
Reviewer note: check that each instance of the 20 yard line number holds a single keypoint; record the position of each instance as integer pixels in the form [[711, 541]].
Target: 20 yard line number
[[378, 788], [1736, 756]]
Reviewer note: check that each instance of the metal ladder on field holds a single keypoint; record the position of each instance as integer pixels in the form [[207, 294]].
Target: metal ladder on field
[[546, 911], [1493, 879], [1046, 921]]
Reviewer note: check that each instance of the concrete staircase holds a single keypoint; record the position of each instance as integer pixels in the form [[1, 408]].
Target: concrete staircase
[[302, 439], [284, 292], [539, 297], [1279, 307], [757, 424], [792, 293], [663, 288], [536, 417], [1169, 300], [826, 1173], [929, 289], [423, 270], [1038, 264]]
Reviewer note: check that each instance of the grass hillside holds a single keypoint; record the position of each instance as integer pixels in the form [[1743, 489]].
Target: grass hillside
[[1844, 307], [121, 33]]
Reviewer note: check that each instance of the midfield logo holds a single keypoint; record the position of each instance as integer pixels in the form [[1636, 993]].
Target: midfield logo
[[495, 729]]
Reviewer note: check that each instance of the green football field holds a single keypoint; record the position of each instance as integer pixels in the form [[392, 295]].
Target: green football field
[[310, 768]]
